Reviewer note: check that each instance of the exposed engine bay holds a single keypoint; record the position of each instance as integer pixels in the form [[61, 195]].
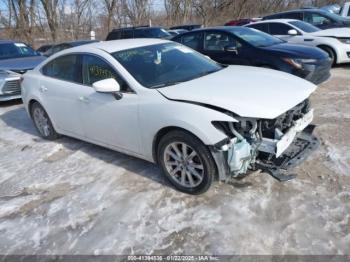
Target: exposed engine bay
[[273, 145]]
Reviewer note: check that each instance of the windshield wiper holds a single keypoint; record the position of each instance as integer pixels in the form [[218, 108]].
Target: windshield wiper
[[169, 83]]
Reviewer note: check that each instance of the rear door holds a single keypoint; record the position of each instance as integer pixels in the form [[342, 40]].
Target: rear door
[[60, 88]]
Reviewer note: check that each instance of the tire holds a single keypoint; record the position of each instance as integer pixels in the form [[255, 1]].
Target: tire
[[192, 174], [42, 122], [331, 53]]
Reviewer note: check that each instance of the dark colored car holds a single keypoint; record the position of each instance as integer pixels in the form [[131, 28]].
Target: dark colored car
[[138, 32], [62, 46], [246, 46], [42, 49], [16, 58], [317, 17], [186, 27], [241, 22]]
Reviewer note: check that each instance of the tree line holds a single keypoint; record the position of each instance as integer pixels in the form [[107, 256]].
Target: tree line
[[51, 21]]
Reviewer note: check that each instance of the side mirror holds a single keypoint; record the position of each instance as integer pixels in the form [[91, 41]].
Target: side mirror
[[232, 49], [292, 32], [109, 85]]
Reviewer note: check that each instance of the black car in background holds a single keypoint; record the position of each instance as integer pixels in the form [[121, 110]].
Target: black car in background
[[246, 46], [138, 32], [62, 46], [42, 49], [186, 27], [317, 17], [16, 58]]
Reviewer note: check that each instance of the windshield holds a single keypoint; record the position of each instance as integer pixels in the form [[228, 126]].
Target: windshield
[[16, 50], [167, 64], [306, 27], [256, 37], [335, 17]]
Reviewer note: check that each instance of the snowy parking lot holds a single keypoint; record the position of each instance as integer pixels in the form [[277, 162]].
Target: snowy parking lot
[[72, 197]]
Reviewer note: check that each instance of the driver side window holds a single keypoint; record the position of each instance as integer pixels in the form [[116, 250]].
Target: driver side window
[[217, 41], [96, 69], [316, 19]]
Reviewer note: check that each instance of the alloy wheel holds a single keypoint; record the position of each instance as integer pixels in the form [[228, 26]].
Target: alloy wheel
[[183, 164]]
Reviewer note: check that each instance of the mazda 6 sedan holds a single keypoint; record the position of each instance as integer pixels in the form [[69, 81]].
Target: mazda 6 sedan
[[166, 103]]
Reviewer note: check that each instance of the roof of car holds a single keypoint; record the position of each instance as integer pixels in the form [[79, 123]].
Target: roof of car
[[299, 10], [274, 20], [124, 44]]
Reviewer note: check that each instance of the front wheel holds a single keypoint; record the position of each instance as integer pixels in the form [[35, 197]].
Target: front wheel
[[186, 162], [42, 122]]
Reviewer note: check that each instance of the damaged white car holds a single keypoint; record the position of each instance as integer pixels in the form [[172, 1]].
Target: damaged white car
[[165, 103]]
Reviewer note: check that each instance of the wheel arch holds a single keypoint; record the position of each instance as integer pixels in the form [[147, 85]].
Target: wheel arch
[[161, 133], [322, 46], [30, 105]]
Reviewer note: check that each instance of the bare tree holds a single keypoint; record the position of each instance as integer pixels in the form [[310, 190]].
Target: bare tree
[[51, 10]]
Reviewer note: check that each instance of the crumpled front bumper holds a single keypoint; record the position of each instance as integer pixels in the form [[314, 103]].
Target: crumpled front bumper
[[303, 145], [276, 156]]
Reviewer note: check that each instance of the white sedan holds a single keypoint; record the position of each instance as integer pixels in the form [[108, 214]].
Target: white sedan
[[335, 41], [165, 103]]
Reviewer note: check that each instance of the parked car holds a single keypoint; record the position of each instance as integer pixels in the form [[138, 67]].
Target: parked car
[[335, 41], [246, 46], [177, 31], [62, 46], [42, 49], [317, 17], [15, 59], [138, 32], [165, 103], [241, 22], [186, 27]]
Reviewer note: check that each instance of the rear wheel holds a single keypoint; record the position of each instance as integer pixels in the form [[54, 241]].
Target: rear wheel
[[42, 122], [186, 162], [331, 53]]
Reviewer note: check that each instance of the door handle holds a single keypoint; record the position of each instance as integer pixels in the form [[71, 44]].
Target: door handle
[[43, 89], [84, 99]]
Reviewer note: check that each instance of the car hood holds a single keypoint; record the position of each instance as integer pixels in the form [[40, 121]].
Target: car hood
[[21, 64], [246, 91], [333, 32], [295, 51]]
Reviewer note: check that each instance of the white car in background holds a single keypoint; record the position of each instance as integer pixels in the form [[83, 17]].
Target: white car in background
[[335, 41], [166, 103]]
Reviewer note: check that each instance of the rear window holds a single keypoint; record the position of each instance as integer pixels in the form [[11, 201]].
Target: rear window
[[114, 35], [261, 27], [66, 68]]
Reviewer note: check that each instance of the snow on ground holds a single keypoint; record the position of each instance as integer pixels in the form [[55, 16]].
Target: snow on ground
[[71, 197]]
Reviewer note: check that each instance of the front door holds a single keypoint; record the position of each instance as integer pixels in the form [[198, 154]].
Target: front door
[[106, 119]]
